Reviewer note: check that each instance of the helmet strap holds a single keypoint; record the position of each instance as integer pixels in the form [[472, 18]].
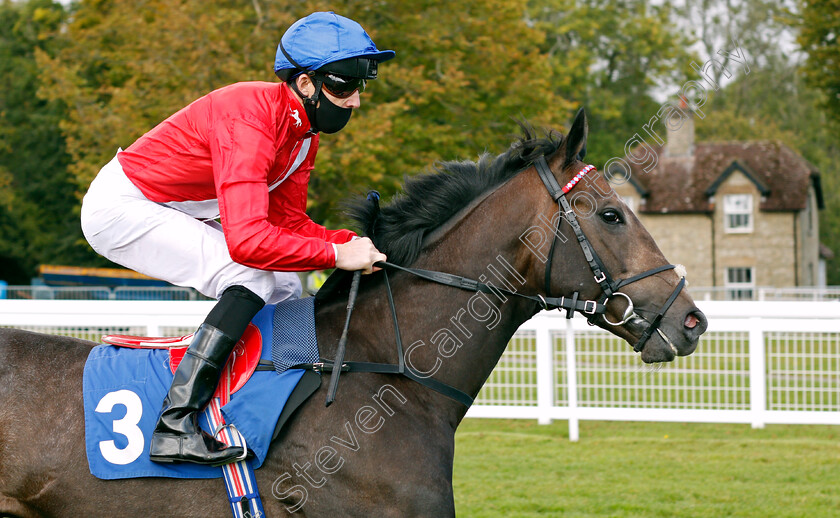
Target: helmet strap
[[310, 104]]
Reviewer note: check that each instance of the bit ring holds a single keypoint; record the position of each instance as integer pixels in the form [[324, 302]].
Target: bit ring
[[628, 313]]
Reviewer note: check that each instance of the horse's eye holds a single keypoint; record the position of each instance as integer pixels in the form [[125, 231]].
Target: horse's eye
[[612, 216]]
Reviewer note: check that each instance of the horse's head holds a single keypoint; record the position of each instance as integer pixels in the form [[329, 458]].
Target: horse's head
[[629, 274], [600, 261]]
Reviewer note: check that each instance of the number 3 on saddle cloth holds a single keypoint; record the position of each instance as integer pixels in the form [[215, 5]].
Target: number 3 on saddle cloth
[[124, 388]]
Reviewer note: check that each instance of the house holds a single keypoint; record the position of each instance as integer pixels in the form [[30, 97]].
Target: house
[[738, 215]]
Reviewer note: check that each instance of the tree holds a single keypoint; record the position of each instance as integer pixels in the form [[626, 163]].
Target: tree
[[762, 26], [120, 82], [819, 34], [451, 93], [38, 216], [610, 56]]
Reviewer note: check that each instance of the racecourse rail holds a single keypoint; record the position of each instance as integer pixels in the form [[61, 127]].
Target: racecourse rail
[[759, 362]]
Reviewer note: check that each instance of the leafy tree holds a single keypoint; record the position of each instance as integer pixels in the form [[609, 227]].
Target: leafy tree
[[451, 92], [772, 101], [459, 78], [128, 65], [761, 26], [611, 56], [819, 34], [37, 197]]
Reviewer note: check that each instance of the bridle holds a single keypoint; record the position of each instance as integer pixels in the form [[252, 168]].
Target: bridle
[[609, 287], [590, 308]]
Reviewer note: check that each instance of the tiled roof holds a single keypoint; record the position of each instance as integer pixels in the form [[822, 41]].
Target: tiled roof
[[686, 183]]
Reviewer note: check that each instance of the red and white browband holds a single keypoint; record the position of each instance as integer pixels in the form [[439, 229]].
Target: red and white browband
[[576, 179]]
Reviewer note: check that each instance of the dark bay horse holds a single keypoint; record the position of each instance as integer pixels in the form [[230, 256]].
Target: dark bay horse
[[385, 447]]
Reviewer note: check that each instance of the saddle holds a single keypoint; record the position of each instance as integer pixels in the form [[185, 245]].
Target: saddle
[[134, 372], [243, 361], [127, 377]]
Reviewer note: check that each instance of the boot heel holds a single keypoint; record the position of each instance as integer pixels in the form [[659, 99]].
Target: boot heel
[[164, 448]]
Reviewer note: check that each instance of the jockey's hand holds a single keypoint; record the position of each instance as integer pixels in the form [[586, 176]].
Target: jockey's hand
[[358, 254]]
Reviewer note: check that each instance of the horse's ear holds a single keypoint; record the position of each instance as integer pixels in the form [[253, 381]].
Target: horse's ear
[[576, 139]]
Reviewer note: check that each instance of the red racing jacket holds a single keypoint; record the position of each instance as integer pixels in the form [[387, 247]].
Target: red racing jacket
[[245, 149]]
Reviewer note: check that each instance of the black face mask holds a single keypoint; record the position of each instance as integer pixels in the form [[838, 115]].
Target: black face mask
[[329, 118]]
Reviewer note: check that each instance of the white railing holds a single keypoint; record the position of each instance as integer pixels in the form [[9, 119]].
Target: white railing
[[89, 319], [39, 292], [761, 293], [759, 362]]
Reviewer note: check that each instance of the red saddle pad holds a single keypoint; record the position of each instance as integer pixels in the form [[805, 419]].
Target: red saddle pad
[[241, 365]]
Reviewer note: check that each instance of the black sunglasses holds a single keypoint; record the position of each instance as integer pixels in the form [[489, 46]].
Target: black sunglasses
[[341, 86]]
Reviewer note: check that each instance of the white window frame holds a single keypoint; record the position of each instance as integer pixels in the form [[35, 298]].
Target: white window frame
[[743, 287], [738, 206]]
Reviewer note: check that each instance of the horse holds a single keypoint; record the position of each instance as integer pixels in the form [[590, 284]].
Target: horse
[[386, 446]]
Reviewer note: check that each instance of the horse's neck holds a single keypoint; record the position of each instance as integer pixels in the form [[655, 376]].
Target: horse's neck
[[457, 336], [454, 336]]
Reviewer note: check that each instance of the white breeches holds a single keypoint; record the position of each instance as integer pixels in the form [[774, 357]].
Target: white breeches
[[124, 226]]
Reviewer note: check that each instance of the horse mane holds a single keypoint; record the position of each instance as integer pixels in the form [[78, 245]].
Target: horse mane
[[428, 200]]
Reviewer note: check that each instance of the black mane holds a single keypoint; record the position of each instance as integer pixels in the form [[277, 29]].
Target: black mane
[[429, 200]]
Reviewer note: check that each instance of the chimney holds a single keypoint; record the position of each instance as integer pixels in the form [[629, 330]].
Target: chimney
[[680, 143]]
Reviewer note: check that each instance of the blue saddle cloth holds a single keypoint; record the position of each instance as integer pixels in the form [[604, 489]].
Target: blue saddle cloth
[[124, 391]]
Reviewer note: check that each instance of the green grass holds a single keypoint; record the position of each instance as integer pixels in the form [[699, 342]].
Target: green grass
[[522, 469]]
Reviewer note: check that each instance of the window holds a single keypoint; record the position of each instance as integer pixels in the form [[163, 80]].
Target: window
[[737, 212], [739, 284]]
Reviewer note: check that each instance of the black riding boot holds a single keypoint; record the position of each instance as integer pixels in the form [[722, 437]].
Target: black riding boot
[[177, 436]]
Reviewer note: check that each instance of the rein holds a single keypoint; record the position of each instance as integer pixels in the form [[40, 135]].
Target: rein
[[589, 308]]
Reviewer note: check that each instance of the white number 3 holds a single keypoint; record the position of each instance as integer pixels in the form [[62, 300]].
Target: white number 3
[[127, 426]]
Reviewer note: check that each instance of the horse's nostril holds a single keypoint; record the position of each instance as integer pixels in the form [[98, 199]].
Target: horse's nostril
[[691, 321]]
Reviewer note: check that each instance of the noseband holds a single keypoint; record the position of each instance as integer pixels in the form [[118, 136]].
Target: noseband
[[609, 287]]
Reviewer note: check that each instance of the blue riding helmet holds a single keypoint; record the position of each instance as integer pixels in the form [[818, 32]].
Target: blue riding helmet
[[323, 38]]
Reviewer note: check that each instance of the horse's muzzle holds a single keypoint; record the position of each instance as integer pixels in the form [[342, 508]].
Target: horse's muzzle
[[694, 325]]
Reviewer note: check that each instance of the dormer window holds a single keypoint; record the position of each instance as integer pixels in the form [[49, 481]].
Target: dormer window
[[737, 213]]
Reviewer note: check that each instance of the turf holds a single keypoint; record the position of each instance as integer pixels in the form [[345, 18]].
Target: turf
[[617, 469]]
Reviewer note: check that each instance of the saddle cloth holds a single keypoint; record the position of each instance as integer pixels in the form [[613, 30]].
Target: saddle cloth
[[124, 390]]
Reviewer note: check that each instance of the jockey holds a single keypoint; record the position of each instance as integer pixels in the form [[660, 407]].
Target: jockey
[[214, 197]]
